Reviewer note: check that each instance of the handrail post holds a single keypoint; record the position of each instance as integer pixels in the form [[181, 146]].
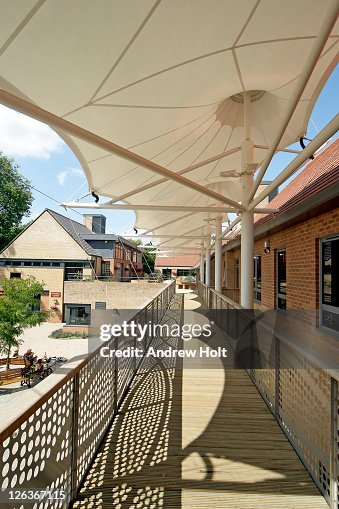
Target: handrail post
[[116, 373], [75, 426], [334, 445], [276, 377]]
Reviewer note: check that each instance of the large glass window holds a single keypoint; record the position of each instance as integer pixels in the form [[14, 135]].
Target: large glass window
[[257, 277], [185, 272], [330, 283], [74, 270], [106, 269], [77, 314], [281, 279]]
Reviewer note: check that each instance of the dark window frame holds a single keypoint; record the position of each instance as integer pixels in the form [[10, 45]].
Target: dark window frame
[[281, 297], [328, 311], [257, 269]]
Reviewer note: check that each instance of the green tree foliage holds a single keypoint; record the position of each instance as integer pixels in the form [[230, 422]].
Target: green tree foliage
[[18, 310], [15, 200]]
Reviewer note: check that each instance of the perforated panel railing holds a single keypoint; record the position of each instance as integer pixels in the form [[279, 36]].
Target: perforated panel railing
[[302, 396], [46, 451]]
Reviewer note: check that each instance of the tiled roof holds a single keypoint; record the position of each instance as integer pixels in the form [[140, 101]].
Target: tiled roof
[[177, 261], [75, 230], [320, 173]]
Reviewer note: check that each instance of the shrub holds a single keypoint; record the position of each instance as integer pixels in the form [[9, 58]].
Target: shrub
[[60, 334]]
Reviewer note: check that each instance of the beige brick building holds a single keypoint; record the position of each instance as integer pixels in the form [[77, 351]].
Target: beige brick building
[[57, 251]]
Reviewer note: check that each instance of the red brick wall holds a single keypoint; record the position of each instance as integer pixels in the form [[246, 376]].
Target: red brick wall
[[302, 257]]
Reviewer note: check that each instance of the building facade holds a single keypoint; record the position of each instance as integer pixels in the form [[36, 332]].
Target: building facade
[[56, 250], [296, 252]]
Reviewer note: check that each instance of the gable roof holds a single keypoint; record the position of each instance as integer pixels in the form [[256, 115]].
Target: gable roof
[[75, 230]]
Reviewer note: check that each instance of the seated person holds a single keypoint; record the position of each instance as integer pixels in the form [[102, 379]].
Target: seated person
[[39, 366], [16, 353], [29, 358]]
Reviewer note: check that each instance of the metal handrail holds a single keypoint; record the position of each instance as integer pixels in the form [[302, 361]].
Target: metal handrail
[[282, 380], [71, 418]]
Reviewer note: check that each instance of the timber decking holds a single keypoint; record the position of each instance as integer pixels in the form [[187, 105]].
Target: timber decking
[[196, 439]]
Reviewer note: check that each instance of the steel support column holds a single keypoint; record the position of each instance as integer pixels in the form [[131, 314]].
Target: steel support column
[[208, 267], [247, 228], [202, 268], [218, 255]]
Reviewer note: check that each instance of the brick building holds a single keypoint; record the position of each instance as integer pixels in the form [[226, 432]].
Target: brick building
[[181, 268], [57, 250], [296, 262]]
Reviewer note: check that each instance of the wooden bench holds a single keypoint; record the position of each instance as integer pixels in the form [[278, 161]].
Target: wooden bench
[[11, 376], [16, 361]]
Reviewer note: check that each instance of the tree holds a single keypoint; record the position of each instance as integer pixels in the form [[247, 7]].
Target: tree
[[148, 258], [18, 311], [15, 200]]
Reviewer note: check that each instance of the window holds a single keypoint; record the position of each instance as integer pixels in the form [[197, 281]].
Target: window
[[257, 278], [77, 314], [166, 273], [100, 305], [118, 252], [281, 278], [236, 272], [15, 275], [105, 269], [329, 288], [36, 306], [185, 272], [127, 254], [74, 270]]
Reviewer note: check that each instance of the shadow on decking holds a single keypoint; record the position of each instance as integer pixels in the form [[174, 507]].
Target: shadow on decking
[[141, 463]]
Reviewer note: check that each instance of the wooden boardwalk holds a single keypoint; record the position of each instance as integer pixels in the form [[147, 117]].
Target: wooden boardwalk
[[196, 439]]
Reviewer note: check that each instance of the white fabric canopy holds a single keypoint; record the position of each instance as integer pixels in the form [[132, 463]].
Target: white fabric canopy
[[166, 79]]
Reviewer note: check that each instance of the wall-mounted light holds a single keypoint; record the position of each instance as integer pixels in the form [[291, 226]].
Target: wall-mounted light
[[267, 247]]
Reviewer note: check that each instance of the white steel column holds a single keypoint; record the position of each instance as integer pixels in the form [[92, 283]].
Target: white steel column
[[218, 257], [247, 229], [208, 267], [202, 268]]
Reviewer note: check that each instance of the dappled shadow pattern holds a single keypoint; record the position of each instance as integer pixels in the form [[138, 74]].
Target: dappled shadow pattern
[[239, 458]]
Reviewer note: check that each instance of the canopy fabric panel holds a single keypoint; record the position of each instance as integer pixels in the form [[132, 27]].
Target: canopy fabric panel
[[166, 80]]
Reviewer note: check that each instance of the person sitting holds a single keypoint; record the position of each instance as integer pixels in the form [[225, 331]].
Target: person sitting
[[29, 358], [16, 353], [39, 367]]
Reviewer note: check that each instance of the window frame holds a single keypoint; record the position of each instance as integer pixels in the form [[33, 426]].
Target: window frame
[[325, 307], [67, 314], [277, 294], [255, 277]]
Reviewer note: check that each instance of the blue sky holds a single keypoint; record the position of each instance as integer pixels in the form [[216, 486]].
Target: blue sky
[[53, 169]]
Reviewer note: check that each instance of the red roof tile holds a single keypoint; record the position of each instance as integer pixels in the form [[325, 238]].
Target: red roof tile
[[320, 173], [177, 261]]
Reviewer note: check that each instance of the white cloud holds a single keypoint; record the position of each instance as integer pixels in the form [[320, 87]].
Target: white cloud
[[69, 171], [25, 137]]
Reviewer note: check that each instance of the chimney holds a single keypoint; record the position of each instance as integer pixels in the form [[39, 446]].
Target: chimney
[[95, 222]]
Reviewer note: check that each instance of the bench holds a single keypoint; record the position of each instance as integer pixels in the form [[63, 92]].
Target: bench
[[16, 361], [11, 376]]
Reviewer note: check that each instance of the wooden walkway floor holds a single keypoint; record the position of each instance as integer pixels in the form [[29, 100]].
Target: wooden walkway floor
[[196, 439]]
